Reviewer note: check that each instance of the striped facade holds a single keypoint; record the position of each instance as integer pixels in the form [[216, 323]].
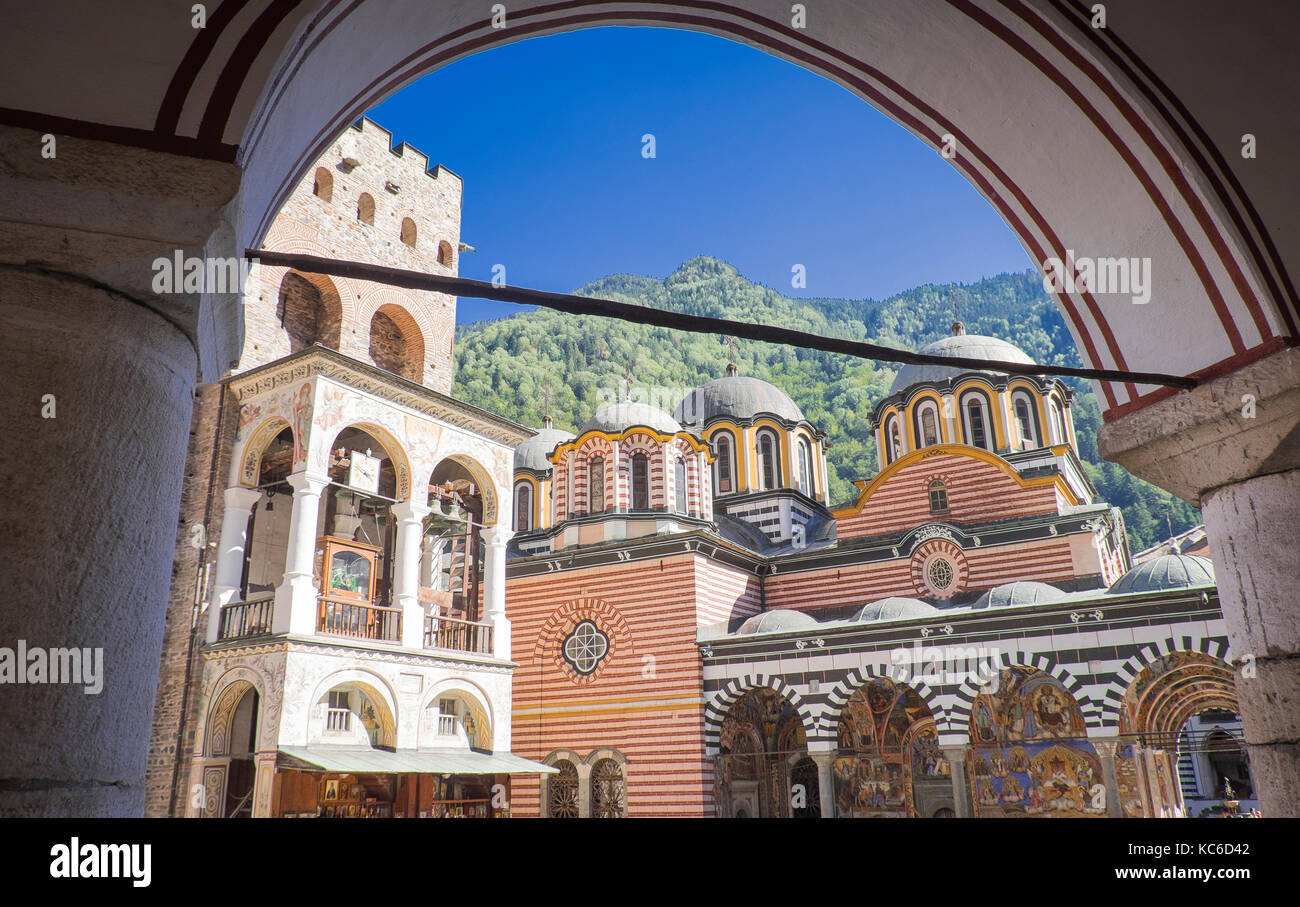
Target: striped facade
[[643, 700]]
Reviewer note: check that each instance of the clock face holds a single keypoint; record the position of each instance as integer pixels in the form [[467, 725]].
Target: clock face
[[363, 472]]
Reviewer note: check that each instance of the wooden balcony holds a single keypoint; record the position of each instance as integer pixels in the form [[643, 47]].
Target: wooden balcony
[[457, 635], [336, 618], [241, 620]]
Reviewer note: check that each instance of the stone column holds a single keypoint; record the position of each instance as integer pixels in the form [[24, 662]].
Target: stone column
[[1106, 749], [295, 599], [230, 556], [99, 376], [494, 591], [406, 570], [1230, 447], [956, 756], [825, 781]]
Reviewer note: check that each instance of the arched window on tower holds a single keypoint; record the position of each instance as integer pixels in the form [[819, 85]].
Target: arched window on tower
[[640, 482], [679, 483], [804, 455], [408, 232], [977, 423], [893, 440], [366, 209], [938, 497], [769, 469], [523, 506], [323, 185], [1024, 410], [725, 463], [1058, 422], [444, 254], [929, 419], [596, 485]]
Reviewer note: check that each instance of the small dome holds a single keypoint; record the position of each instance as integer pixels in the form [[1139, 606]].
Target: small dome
[[532, 453], [617, 417], [1170, 571], [736, 397], [971, 346], [776, 622], [1013, 595], [895, 608]]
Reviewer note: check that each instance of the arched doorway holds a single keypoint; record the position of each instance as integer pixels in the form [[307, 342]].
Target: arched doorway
[[1182, 734], [888, 762], [229, 775], [762, 743]]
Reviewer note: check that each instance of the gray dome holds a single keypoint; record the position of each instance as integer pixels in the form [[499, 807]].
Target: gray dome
[[1170, 571], [973, 346], [616, 417], [1012, 595], [776, 622], [532, 453], [737, 397], [895, 608]]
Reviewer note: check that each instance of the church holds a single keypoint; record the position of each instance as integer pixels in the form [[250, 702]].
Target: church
[[400, 605]]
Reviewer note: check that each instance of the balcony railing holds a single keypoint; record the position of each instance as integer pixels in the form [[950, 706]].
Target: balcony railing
[[359, 621], [244, 619], [457, 635], [338, 721]]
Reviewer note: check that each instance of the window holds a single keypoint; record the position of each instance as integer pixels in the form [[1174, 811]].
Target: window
[[929, 414], [596, 494], [444, 253], [562, 791], [893, 443], [679, 481], [769, 476], [939, 572], [805, 467], [323, 185], [976, 425], [1058, 423], [608, 796], [640, 482], [366, 209], [1024, 420], [585, 647], [523, 507], [408, 232], [725, 466], [447, 717], [338, 717], [938, 497]]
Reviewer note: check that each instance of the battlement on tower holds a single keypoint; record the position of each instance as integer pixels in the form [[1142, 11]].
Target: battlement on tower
[[365, 199]]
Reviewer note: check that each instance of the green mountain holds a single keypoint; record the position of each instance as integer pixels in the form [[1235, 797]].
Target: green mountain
[[537, 360]]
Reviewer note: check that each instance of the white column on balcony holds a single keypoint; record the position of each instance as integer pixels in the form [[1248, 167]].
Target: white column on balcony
[[230, 554], [494, 589], [295, 599], [406, 570]]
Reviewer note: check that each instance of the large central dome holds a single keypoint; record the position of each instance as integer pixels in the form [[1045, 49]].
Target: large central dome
[[971, 346], [736, 397]]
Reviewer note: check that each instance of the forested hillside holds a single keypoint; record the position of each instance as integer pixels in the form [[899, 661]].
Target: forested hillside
[[538, 360]]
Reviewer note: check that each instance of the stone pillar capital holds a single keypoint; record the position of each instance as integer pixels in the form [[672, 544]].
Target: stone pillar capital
[[310, 482], [241, 497], [410, 512]]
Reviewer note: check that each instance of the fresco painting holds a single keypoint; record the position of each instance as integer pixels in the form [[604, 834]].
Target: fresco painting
[[886, 738]]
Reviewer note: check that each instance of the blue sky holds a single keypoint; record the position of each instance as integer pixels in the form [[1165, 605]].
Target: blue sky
[[758, 162]]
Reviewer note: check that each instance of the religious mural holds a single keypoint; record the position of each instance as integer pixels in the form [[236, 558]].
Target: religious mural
[[1029, 754], [887, 739], [762, 740]]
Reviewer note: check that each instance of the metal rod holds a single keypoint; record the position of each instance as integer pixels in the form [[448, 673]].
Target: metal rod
[[700, 324]]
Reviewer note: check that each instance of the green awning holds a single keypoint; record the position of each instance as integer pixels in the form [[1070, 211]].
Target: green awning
[[367, 761]]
